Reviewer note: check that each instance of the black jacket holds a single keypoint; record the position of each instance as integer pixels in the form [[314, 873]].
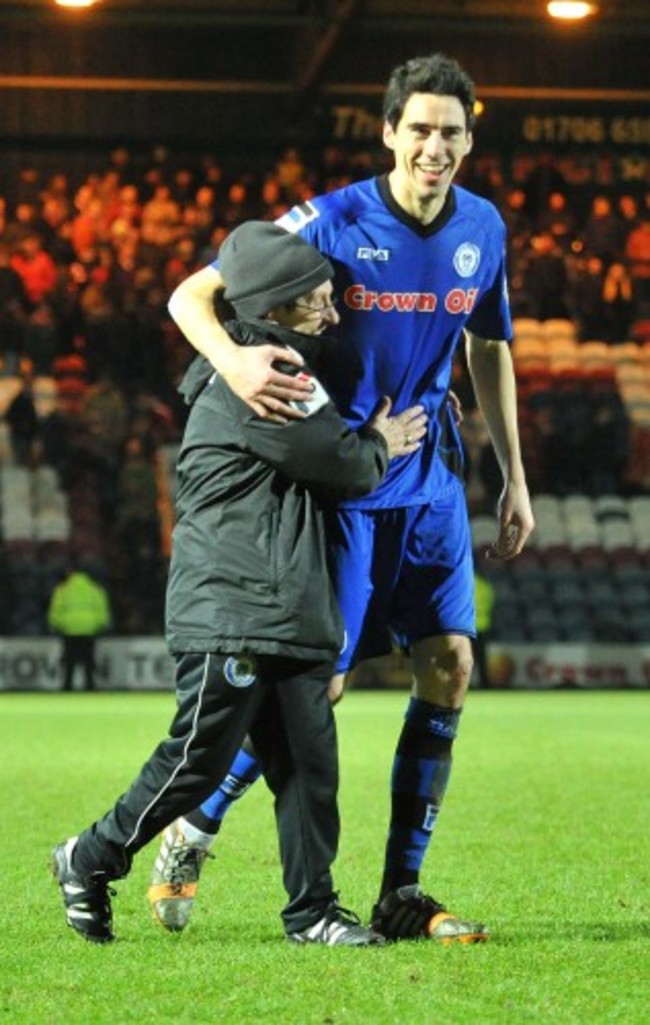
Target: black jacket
[[249, 563]]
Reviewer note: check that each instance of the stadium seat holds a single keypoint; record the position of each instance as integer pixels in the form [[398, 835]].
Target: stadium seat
[[601, 594], [527, 327], [484, 530], [611, 507], [559, 328], [636, 596], [547, 507], [630, 574], [10, 387], [639, 331], [597, 360], [618, 536], [567, 593], [611, 624], [638, 625], [532, 588], [577, 507], [46, 396], [542, 624], [576, 624]]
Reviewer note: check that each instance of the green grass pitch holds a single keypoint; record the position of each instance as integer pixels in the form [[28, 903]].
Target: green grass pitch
[[544, 835]]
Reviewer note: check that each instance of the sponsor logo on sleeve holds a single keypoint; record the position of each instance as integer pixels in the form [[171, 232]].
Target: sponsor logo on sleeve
[[298, 217]]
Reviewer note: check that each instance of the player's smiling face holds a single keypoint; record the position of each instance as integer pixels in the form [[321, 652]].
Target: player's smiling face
[[429, 143]]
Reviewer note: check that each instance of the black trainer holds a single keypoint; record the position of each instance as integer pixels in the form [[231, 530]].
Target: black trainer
[[338, 928], [407, 913], [87, 901]]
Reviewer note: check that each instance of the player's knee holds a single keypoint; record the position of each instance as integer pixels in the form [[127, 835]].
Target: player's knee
[[442, 671]]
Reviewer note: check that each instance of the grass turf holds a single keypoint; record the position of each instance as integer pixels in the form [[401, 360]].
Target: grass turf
[[543, 835]]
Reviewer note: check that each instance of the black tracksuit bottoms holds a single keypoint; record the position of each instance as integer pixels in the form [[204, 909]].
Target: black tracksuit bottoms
[[282, 704]]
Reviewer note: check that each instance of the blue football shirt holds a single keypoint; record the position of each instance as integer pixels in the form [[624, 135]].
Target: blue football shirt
[[406, 291]]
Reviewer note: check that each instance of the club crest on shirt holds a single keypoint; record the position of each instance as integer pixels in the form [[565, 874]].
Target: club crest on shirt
[[467, 259], [240, 671]]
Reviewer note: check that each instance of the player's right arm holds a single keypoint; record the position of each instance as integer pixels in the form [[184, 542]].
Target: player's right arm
[[248, 371]]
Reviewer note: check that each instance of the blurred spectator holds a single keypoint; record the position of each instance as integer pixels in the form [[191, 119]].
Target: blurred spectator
[[35, 267], [586, 296], [182, 262], [23, 423], [211, 171], [13, 312], [137, 494], [484, 599], [618, 303], [25, 221], [104, 422], [126, 211], [161, 218], [239, 206], [272, 199], [562, 422], [290, 172], [57, 188], [602, 233], [606, 446], [637, 254], [139, 528], [105, 270], [119, 161], [104, 327], [558, 220], [88, 225], [183, 186], [543, 178], [628, 212], [518, 224], [28, 186], [105, 411], [79, 611], [41, 337], [210, 251], [199, 215], [545, 279], [54, 214]]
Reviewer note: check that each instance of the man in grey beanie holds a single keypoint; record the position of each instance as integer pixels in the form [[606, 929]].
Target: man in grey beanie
[[252, 619]]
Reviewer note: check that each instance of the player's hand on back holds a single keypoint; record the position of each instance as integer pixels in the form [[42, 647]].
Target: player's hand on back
[[403, 433]]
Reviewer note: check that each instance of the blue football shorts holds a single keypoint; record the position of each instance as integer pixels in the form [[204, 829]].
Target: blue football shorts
[[402, 575]]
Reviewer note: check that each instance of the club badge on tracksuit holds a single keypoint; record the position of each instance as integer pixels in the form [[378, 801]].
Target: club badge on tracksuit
[[240, 670]]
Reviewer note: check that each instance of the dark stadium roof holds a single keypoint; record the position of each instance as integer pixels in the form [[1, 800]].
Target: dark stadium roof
[[615, 14]]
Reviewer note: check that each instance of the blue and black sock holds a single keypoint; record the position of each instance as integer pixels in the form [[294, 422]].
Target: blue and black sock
[[245, 769], [421, 770]]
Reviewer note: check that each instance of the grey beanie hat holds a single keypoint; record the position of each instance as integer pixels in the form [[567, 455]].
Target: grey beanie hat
[[263, 266]]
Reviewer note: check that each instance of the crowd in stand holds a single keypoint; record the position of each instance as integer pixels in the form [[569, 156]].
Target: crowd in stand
[[86, 269]]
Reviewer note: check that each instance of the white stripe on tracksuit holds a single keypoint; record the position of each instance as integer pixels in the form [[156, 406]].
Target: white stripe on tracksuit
[[182, 763]]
